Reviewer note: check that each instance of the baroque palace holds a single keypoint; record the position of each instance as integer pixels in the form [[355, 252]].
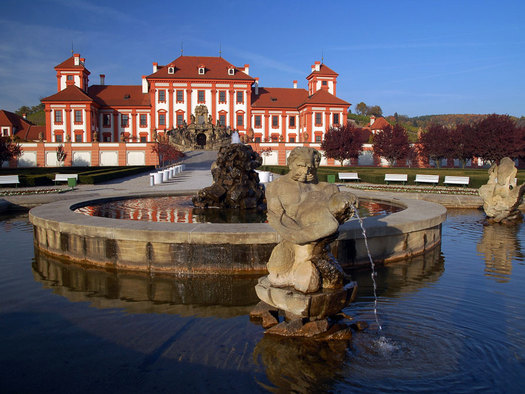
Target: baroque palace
[[119, 124], [168, 97]]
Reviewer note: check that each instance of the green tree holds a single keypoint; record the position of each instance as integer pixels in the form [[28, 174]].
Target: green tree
[[375, 110], [361, 109]]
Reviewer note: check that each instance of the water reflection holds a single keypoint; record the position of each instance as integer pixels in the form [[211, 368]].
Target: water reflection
[[300, 365], [179, 209], [186, 295], [498, 246]]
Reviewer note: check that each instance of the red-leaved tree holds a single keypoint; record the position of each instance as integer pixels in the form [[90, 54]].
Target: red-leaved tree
[[343, 143], [496, 137], [9, 150], [435, 143], [166, 152], [462, 143], [392, 143]]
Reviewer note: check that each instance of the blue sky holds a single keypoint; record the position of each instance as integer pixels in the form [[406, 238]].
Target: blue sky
[[416, 57]]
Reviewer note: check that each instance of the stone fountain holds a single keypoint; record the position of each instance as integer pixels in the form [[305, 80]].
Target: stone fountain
[[235, 182], [304, 279], [501, 195]]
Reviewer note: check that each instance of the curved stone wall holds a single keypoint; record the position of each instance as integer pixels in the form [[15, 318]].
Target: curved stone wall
[[221, 248]]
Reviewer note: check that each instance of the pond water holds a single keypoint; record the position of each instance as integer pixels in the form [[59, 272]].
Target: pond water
[[179, 209], [452, 320]]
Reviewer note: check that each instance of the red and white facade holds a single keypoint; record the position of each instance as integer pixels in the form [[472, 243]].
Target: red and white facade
[[167, 99]]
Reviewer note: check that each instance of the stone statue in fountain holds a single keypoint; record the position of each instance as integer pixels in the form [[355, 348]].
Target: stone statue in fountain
[[304, 279], [235, 182], [501, 195]]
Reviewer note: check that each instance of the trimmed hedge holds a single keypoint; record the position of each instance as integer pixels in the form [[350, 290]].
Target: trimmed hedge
[[376, 175], [43, 176]]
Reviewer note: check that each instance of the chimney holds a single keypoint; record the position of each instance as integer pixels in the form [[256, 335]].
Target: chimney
[[372, 120], [82, 60], [76, 59], [247, 69], [155, 66], [144, 84], [24, 116], [313, 68], [317, 66], [256, 86], [102, 79], [295, 84]]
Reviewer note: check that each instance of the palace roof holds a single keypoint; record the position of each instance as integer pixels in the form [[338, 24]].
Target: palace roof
[[70, 64], [279, 98], [323, 97], [70, 93], [119, 95], [187, 67], [323, 70]]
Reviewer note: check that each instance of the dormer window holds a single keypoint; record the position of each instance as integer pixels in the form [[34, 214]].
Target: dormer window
[[171, 70], [201, 70], [231, 71]]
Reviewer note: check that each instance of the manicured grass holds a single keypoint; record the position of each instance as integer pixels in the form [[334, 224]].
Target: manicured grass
[[43, 176], [376, 175]]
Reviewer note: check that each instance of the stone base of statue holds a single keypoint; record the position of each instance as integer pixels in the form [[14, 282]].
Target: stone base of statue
[[311, 315]]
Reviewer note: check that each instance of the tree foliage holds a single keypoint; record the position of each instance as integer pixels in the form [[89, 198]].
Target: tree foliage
[[392, 143], [166, 152], [9, 150], [361, 108], [496, 137], [435, 143], [343, 143], [375, 110]]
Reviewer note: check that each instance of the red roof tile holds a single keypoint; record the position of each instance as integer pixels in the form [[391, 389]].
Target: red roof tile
[[279, 98], [69, 64], [119, 95], [33, 133], [323, 70], [380, 124], [71, 93], [22, 126], [324, 97], [187, 67]]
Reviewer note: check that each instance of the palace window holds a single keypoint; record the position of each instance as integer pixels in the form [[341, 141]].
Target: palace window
[[162, 96], [70, 77], [222, 120], [257, 120], [222, 96], [143, 120], [318, 119], [325, 83], [336, 118], [162, 119], [292, 139], [180, 96], [124, 120], [318, 138], [180, 119], [240, 120], [58, 138], [200, 96], [78, 116], [143, 138], [291, 121], [78, 137], [58, 116], [257, 139], [106, 120], [275, 121], [240, 97]]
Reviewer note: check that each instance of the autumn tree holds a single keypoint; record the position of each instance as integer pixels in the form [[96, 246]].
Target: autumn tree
[[166, 152], [392, 143], [496, 138], [9, 150], [435, 143], [343, 143], [375, 110], [462, 143]]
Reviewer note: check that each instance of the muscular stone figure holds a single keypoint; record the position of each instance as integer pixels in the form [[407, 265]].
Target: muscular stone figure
[[306, 213]]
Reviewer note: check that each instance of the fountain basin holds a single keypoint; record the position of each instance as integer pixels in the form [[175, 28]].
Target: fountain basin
[[237, 248]]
